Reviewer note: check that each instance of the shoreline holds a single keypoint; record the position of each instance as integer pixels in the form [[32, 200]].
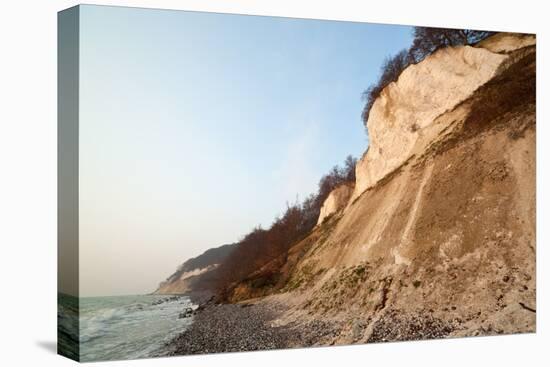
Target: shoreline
[[223, 328], [226, 328]]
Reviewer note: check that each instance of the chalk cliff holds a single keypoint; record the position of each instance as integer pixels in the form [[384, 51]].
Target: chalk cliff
[[438, 238], [408, 114], [336, 201], [195, 273]]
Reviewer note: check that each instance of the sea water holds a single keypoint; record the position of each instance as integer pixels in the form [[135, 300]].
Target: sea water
[[129, 327]]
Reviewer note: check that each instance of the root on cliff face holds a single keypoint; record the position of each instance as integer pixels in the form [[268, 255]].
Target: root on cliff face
[[385, 291]]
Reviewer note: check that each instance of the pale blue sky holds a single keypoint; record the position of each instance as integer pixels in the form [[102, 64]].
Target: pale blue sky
[[195, 127]]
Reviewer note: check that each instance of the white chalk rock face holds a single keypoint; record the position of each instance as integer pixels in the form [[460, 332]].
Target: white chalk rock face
[[337, 200], [403, 116]]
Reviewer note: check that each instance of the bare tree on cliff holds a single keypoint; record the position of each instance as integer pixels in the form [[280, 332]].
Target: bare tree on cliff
[[389, 72], [427, 40], [349, 168], [261, 246]]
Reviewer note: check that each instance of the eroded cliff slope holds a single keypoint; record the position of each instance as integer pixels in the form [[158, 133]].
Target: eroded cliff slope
[[438, 238]]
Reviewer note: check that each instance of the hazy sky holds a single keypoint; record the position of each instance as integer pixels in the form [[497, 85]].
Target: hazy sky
[[195, 127]]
